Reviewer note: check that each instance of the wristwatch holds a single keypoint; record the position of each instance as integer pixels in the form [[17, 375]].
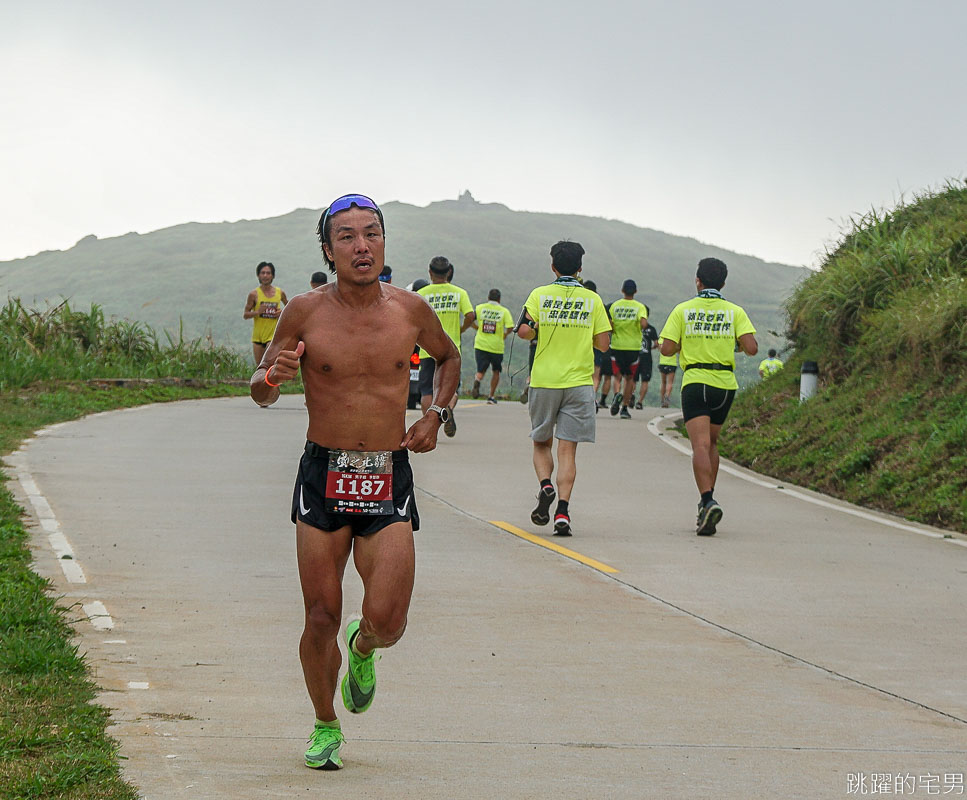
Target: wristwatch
[[443, 412]]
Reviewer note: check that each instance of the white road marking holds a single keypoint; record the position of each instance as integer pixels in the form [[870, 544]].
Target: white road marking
[[58, 541], [771, 484], [139, 685], [97, 614]]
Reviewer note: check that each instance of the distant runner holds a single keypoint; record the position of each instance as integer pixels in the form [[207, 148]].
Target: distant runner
[[649, 341], [667, 367], [354, 488], [628, 318], [568, 320], [770, 366], [493, 323], [264, 305], [449, 302], [705, 331]]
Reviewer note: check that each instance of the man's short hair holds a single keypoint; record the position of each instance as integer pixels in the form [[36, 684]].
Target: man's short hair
[[591, 285], [319, 277], [712, 273], [629, 287], [566, 257], [772, 352], [268, 264], [494, 294], [439, 265]]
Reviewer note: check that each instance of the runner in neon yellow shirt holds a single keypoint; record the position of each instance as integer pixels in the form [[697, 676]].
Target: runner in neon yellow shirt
[[494, 324], [770, 366], [706, 331], [449, 302], [568, 321], [667, 367], [628, 318]]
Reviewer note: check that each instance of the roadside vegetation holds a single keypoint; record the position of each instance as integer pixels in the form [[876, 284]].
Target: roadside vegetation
[[52, 733], [885, 320]]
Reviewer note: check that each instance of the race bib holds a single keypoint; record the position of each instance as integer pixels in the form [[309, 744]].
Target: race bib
[[359, 482], [489, 327]]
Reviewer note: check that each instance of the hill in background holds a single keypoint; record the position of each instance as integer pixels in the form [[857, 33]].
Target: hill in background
[[201, 273], [886, 320]]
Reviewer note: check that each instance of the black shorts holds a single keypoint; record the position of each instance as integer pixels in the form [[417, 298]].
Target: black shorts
[[644, 367], [702, 400], [602, 360], [309, 500], [425, 382], [625, 361], [667, 369], [487, 359]]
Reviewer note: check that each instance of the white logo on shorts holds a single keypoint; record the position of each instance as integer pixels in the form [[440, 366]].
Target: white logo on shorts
[[402, 511], [302, 506]]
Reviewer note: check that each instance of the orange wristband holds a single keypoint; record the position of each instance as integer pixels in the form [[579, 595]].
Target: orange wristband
[[273, 385]]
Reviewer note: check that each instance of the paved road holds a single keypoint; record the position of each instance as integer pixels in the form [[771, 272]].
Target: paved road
[[797, 652]]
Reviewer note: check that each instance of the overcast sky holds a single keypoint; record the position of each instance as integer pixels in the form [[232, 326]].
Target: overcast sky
[[756, 126]]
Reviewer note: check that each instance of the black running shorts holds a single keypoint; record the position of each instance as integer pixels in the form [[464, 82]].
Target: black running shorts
[[644, 367], [309, 496], [487, 359], [667, 369], [701, 400], [625, 361], [603, 360]]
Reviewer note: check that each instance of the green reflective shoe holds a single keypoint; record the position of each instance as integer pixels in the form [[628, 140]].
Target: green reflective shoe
[[323, 752], [359, 682]]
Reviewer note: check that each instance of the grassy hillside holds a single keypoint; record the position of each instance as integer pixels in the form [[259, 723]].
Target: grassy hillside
[[201, 273], [885, 320]]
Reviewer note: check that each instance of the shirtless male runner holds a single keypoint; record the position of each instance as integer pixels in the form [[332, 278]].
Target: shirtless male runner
[[354, 491]]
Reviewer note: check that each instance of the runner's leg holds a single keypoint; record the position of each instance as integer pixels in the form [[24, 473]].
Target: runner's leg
[[566, 468], [386, 562], [258, 350], [543, 460], [322, 558], [699, 434]]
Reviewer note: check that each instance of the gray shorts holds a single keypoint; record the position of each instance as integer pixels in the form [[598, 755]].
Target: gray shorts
[[570, 410]]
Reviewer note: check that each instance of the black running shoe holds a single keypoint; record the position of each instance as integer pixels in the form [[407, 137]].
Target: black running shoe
[[523, 395], [450, 426], [708, 517], [638, 406], [475, 391], [625, 413], [541, 515], [616, 404], [562, 525]]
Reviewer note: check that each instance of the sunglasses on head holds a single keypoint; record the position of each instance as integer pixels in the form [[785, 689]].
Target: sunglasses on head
[[346, 202]]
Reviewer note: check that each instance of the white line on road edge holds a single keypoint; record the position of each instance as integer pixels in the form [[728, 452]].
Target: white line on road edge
[[58, 542], [723, 467], [97, 614]]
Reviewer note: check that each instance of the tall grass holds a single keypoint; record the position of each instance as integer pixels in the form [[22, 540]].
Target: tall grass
[[60, 343], [886, 318]]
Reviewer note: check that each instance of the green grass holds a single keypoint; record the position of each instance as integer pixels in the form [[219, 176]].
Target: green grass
[[886, 319], [52, 735], [53, 742]]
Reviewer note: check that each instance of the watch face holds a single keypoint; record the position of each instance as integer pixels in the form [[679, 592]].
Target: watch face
[[444, 414]]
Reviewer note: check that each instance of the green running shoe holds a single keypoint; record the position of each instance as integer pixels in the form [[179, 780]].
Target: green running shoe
[[323, 752], [359, 682]]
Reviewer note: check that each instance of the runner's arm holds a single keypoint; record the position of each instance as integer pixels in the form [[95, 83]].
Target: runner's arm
[[748, 344], [602, 341], [282, 357], [468, 320], [250, 311], [422, 435], [669, 347]]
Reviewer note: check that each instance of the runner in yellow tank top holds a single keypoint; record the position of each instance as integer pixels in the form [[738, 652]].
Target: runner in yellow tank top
[[264, 305]]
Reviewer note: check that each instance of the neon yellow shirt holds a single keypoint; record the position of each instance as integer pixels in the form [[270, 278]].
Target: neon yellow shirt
[[626, 316], [568, 317], [769, 366], [450, 303], [493, 322], [666, 361], [263, 327], [707, 329]]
